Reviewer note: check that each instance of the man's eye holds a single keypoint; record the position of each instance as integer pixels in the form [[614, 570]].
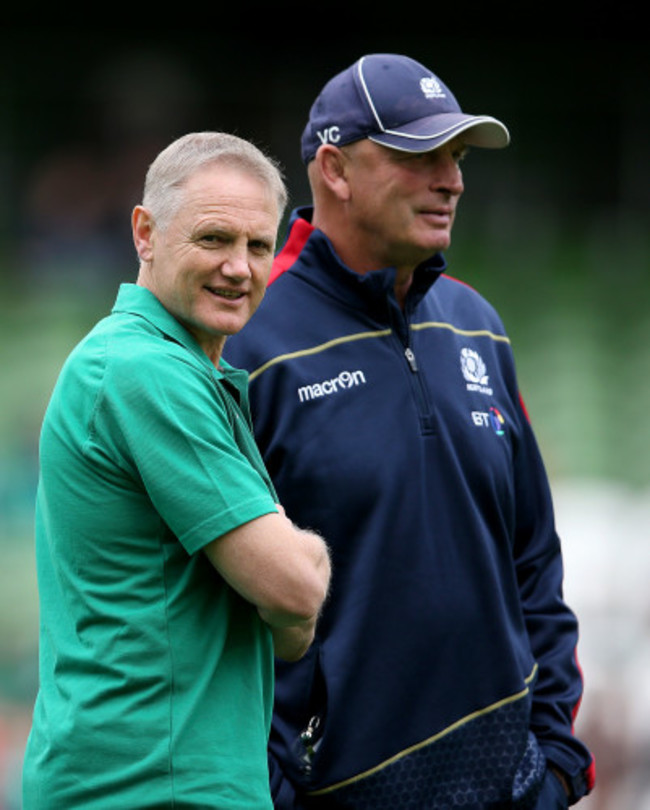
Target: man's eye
[[211, 239], [261, 248]]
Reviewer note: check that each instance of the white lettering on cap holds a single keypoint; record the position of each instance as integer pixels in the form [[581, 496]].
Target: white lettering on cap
[[329, 135]]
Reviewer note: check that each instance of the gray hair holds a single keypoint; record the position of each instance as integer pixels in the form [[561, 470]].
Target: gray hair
[[169, 172]]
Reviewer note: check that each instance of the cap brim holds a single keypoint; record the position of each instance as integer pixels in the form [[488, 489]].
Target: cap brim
[[426, 134]]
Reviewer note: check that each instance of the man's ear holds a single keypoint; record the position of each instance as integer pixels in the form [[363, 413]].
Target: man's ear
[[142, 225], [332, 164]]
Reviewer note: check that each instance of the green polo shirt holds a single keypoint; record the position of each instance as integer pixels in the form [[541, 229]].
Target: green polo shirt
[[156, 677]]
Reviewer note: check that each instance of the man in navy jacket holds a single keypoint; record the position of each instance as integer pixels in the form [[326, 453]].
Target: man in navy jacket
[[386, 406]]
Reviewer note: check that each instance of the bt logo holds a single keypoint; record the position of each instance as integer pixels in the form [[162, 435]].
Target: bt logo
[[492, 418]]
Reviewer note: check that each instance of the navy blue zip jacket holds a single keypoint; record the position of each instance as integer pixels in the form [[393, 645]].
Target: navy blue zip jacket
[[444, 671]]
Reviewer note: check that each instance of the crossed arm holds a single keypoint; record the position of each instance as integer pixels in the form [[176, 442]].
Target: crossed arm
[[281, 569]]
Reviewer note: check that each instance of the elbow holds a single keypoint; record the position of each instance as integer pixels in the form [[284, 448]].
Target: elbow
[[317, 589], [304, 603], [299, 596], [315, 595], [301, 602], [294, 617]]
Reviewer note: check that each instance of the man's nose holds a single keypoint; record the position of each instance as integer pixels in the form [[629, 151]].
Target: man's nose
[[235, 264], [448, 176]]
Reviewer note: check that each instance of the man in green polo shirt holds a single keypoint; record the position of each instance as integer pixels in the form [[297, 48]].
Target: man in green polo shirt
[[168, 575]]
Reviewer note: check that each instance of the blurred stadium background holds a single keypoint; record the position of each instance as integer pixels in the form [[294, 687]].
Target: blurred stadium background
[[554, 231]]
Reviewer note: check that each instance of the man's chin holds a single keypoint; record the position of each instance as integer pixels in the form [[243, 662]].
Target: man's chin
[[442, 242]]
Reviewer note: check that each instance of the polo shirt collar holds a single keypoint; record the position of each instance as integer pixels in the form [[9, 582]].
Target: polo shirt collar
[[137, 300]]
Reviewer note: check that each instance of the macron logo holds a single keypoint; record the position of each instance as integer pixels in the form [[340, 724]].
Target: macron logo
[[345, 380]]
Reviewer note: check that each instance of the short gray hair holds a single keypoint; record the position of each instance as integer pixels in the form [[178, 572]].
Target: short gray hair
[[171, 169]]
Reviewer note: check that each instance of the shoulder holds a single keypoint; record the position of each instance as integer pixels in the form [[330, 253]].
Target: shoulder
[[461, 290], [130, 358], [460, 301]]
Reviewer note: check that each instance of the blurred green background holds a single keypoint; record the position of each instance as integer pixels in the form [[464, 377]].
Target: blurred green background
[[554, 231]]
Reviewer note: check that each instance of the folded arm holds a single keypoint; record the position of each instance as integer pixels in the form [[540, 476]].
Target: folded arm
[[281, 569]]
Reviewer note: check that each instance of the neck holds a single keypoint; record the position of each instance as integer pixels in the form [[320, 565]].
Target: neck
[[402, 286], [356, 257], [213, 348]]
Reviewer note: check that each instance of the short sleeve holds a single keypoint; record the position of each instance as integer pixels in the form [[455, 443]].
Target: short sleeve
[[177, 430]]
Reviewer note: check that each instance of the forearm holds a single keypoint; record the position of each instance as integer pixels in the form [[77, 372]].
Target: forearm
[[557, 692], [283, 570], [319, 563], [291, 642], [552, 626], [312, 560], [292, 635]]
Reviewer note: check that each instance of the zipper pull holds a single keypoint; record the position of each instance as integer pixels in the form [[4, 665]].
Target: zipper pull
[[410, 358], [309, 744], [308, 735]]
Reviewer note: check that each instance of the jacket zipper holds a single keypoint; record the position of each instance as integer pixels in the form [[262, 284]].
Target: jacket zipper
[[419, 388], [427, 423], [410, 359], [310, 742]]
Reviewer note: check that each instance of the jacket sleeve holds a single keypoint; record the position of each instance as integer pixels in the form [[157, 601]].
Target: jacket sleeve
[[551, 624]]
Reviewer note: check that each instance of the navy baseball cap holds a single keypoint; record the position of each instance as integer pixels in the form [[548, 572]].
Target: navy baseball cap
[[397, 102]]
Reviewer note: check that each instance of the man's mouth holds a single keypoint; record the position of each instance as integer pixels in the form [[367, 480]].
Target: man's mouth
[[230, 295], [441, 215]]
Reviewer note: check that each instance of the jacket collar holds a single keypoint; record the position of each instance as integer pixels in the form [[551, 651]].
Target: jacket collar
[[321, 266]]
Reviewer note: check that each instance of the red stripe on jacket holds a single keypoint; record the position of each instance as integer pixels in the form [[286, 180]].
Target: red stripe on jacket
[[300, 232]]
